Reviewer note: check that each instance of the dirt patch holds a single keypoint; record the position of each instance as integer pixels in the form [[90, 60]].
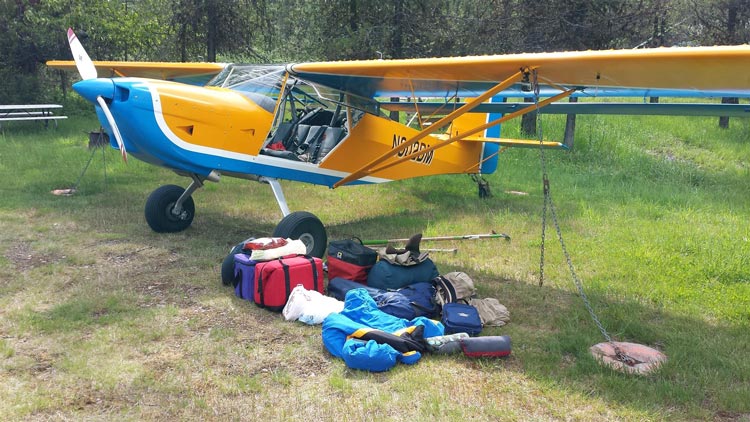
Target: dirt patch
[[732, 416], [153, 274], [126, 258], [24, 258], [168, 291]]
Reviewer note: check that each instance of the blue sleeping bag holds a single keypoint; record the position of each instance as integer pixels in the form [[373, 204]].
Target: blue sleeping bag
[[369, 339]]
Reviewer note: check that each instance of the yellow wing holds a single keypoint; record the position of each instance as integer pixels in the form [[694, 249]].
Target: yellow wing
[[697, 68]]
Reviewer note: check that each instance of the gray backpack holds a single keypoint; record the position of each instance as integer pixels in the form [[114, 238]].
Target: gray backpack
[[453, 287]]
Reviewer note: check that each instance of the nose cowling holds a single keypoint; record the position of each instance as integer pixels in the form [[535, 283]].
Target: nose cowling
[[92, 88]]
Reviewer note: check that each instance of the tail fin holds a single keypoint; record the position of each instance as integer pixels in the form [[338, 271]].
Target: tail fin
[[468, 121]]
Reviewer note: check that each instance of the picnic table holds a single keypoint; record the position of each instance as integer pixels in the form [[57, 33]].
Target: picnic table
[[30, 112]]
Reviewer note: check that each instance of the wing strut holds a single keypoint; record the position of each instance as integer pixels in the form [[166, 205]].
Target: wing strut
[[475, 130], [367, 168]]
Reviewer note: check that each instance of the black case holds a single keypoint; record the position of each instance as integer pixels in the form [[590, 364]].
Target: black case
[[353, 252]]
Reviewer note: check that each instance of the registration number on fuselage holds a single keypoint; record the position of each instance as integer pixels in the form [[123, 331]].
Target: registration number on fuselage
[[424, 158]]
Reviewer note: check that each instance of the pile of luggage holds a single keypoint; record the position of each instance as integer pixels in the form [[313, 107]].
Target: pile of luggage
[[377, 308]]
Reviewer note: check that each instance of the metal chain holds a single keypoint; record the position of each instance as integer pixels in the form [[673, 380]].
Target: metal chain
[[545, 181], [549, 204]]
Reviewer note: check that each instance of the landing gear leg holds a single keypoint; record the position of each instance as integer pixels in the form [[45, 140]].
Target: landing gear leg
[[300, 225], [170, 208], [278, 194]]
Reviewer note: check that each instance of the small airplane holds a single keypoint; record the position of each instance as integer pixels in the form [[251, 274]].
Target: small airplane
[[325, 123]]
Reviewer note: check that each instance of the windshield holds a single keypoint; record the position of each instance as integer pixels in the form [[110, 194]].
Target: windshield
[[267, 80], [259, 83], [250, 78]]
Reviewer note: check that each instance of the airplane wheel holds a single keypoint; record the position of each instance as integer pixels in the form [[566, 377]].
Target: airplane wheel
[[306, 227], [159, 207]]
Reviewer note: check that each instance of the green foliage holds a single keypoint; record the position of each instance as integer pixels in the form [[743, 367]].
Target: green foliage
[[298, 30]]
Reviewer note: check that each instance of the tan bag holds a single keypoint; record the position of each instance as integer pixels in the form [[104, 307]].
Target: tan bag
[[491, 312], [453, 287]]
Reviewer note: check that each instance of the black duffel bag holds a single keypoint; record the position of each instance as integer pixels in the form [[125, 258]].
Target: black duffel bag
[[350, 259]]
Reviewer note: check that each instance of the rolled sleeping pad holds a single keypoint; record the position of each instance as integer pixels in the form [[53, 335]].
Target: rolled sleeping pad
[[447, 344], [486, 347]]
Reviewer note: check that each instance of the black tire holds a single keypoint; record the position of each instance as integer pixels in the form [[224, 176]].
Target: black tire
[[227, 267], [306, 227], [159, 206]]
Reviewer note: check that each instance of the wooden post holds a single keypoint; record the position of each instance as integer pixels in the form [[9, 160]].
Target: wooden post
[[394, 115], [724, 120], [528, 121], [570, 126]]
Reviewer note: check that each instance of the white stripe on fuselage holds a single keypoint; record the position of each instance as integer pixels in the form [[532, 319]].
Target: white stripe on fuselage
[[259, 159]]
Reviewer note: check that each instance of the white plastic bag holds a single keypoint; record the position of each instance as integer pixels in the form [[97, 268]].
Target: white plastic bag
[[309, 306]]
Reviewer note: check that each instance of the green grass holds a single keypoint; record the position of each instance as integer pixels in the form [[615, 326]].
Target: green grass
[[100, 318]]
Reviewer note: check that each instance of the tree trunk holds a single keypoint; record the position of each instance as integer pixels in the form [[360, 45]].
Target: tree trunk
[[397, 40], [212, 31], [353, 17], [182, 39]]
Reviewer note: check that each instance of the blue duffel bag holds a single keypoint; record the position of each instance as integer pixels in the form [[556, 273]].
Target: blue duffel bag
[[387, 276], [412, 301], [338, 286], [409, 302]]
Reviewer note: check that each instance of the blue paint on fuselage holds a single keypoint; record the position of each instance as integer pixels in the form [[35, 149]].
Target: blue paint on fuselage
[[144, 139], [491, 149]]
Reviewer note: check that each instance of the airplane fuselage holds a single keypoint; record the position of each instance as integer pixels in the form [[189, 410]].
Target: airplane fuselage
[[199, 130]]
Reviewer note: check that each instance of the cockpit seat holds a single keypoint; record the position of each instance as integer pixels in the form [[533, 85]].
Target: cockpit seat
[[288, 155]]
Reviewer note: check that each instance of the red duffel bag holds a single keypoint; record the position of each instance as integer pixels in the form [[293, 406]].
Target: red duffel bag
[[274, 280]]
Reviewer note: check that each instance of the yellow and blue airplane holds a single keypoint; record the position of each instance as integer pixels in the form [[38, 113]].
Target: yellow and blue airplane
[[325, 123]]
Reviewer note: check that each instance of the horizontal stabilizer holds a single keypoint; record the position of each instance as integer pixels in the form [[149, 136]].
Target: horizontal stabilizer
[[507, 142]]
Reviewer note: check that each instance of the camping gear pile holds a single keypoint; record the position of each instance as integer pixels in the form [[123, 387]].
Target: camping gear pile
[[378, 308]]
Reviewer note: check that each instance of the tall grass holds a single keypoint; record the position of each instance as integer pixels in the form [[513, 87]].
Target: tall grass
[[102, 318]]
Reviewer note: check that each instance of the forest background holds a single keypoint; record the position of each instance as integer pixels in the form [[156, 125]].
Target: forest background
[[274, 31]]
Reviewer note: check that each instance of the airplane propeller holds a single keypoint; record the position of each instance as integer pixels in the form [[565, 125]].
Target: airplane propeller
[[87, 70]]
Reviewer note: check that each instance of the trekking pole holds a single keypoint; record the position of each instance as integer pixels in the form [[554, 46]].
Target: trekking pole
[[451, 250], [492, 235]]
